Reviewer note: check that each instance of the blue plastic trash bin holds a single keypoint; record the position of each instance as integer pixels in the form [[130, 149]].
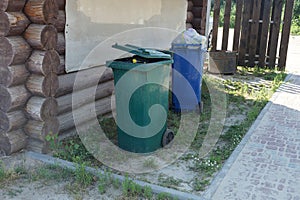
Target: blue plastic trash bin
[[188, 62]]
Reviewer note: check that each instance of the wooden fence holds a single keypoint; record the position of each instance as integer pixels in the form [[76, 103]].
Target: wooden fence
[[261, 31]]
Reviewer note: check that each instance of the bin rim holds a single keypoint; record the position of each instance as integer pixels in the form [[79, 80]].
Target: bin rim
[[189, 46], [142, 67], [143, 52]]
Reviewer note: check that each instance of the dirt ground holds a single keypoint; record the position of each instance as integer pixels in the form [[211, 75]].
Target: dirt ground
[[26, 187]]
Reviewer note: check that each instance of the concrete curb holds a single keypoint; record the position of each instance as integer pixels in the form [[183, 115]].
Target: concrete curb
[[227, 165], [69, 165]]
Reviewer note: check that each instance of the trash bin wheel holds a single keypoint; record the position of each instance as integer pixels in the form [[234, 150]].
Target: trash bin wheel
[[167, 137]]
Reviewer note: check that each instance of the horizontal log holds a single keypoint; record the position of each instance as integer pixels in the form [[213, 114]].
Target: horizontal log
[[74, 131], [12, 23], [13, 142], [11, 121], [61, 68], [12, 5], [41, 109], [44, 86], [61, 43], [84, 79], [37, 146], [41, 37], [190, 5], [199, 12], [61, 21], [42, 11], [190, 17], [85, 96], [198, 22], [14, 50], [199, 3], [61, 4], [39, 130], [84, 114], [43, 62], [13, 98], [13, 75]]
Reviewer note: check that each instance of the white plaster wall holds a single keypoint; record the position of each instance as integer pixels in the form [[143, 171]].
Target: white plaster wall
[[94, 25]]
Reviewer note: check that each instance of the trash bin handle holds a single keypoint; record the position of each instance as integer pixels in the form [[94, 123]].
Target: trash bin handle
[[147, 53], [126, 48]]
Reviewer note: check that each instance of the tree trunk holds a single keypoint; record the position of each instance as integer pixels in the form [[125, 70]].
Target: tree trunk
[[39, 130], [13, 98], [13, 23], [44, 86], [84, 114], [61, 21], [13, 141], [41, 109], [41, 37], [61, 43], [13, 75], [12, 5], [84, 79], [43, 62], [14, 50], [42, 11], [11, 121], [83, 97]]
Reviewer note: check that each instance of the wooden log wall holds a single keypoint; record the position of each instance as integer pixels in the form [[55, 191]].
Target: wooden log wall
[[36, 94], [41, 108], [196, 15], [14, 52]]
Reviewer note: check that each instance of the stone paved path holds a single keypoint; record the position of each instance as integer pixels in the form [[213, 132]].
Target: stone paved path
[[266, 165]]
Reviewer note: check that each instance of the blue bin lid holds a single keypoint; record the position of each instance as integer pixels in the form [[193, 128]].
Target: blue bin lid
[[142, 52]]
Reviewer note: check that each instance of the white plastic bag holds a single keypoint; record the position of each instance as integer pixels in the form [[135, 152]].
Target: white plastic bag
[[190, 36]]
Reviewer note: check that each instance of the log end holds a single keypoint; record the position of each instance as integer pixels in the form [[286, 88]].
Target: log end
[[50, 11], [4, 122], [13, 141], [5, 99], [6, 52], [5, 77], [49, 39], [4, 24], [3, 5]]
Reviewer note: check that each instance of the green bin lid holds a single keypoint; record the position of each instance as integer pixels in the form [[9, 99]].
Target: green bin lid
[[142, 52]]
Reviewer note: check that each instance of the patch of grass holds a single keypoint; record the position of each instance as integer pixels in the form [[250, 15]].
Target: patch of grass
[[150, 163], [106, 180], [2, 172], [131, 190], [71, 149], [49, 173], [6, 176], [164, 196], [200, 185], [168, 181], [83, 177]]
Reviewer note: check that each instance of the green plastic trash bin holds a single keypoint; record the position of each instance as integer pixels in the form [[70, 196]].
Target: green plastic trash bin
[[142, 89]]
